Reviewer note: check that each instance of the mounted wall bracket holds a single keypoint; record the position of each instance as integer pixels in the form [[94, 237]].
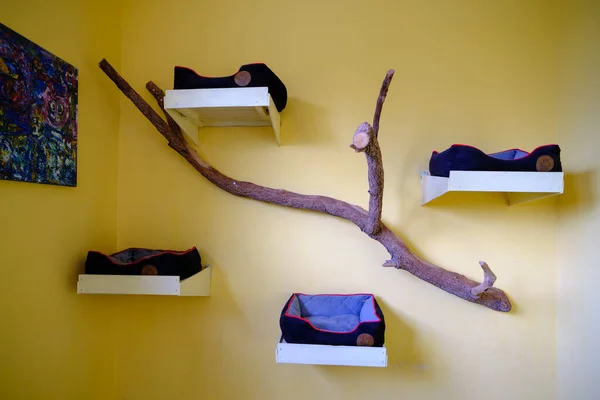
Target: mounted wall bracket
[[196, 108]]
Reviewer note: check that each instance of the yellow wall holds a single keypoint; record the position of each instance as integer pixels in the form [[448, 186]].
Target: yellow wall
[[466, 71], [578, 324], [474, 72], [54, 344]]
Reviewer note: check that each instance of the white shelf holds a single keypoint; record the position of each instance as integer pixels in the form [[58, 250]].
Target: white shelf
[[195, 108], [353, 356], [519, 186], [196, 285]]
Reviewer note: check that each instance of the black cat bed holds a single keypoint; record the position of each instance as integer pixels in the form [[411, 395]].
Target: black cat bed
[[248, 75], [333, 319], [141, 261], [459, 157]]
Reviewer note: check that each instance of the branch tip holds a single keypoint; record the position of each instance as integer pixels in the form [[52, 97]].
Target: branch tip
[[489, 278], [385, 85]]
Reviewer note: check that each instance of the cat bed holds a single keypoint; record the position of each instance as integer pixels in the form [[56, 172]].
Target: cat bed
[[248, 75], [333, 319], [141, 261], [459, 157]]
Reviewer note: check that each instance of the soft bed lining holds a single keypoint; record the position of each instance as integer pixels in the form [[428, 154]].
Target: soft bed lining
[[334, 313]]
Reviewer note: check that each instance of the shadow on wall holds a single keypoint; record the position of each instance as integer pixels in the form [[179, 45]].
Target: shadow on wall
[[404, 358], [579, 195], [304, 123], [186, 344], [403, 352]]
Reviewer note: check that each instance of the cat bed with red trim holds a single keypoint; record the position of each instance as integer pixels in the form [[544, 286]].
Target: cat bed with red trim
[[459, 157], [333, 319], [142, 261], [248, 75]]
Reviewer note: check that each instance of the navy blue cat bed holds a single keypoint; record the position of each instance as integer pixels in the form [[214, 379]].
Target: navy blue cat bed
[[460, 157], [333, 319], [140, 261], [248, 75]]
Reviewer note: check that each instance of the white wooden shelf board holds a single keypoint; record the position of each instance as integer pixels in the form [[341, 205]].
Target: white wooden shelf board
[[194, 108], [519, 186], [196, 285], [353, 356]]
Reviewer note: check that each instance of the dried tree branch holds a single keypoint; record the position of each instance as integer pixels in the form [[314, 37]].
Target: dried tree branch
[[135, 98], [365, 139], [488, 280], [160, 98], [402, 257], [381, 99]]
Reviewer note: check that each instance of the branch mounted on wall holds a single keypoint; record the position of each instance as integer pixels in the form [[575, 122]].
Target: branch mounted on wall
[[365, 140]]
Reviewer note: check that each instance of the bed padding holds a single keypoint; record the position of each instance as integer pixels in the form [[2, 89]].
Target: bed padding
[[460, 157], [143, 261], [333, 319]]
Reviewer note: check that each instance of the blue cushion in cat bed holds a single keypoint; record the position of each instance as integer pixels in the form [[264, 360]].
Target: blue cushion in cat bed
[[459, 157], [333, 319]]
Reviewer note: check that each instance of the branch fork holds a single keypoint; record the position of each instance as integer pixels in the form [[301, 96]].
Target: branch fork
[[365, 140]]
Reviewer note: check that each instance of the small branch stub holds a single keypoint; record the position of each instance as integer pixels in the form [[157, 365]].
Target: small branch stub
[[362, 137], [488, 280]]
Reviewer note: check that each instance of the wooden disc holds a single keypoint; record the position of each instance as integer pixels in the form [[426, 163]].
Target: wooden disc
[[364, 339], [149, 270], [544, 163], [242, 78]]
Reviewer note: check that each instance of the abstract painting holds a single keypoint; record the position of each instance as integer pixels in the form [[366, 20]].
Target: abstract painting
[[38, 113]]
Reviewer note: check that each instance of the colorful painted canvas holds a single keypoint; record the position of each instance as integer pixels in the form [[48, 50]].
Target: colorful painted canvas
[[38, 113]]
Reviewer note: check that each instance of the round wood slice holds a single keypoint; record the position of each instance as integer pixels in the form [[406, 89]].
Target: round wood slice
[[544, 163], [364, 339], [149, 270], [242, 78]]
